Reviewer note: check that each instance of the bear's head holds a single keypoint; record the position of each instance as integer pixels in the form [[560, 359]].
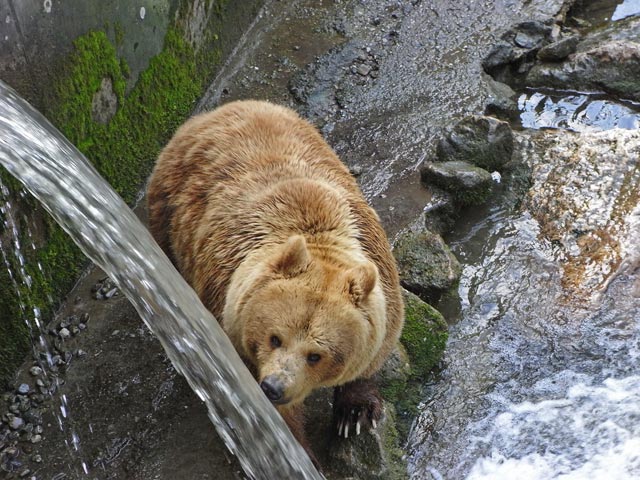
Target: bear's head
[[305, 320]]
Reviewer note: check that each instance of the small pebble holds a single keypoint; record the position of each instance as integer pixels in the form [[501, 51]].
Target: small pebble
[[24, 389], [36, 438], [364, 70], [35, 371], [15, 423], [37, 458], [64, 333], [111, 292]]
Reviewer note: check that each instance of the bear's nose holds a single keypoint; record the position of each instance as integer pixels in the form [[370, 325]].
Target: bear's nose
[[272, 388]]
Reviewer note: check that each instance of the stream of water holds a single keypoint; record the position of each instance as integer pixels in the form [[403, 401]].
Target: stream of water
[[541, 381], [109, 233]]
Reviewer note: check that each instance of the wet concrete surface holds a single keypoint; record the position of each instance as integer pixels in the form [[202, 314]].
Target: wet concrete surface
[[379, 79]]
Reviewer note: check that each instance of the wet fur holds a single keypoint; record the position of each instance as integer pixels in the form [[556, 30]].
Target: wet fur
[[273, 233]]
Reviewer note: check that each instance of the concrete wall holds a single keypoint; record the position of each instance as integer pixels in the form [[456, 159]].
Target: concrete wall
[[116, 77], [35, 35]]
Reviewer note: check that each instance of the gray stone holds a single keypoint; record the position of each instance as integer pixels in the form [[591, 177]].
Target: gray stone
[[483, 141], [16, 423], [468, 184], [440, 212], [504, 53], [557, 51], [372, 455], [64, 333], [363, 70], [613, 67], [501, 98], [23, 388], [105, 102], [426, 265], [35, 371]]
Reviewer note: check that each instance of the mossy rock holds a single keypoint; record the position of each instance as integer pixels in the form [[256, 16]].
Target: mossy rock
[[372, 455], [485, 142], [427, 266], [469, 185], [424, 335]]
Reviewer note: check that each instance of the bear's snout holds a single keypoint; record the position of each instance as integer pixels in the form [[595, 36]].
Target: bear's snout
[[273, 388]]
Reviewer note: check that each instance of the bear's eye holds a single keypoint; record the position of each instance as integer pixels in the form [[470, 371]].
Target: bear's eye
[[275, 341], [313, 358]]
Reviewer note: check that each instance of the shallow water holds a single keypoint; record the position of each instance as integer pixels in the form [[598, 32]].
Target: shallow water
[[602, 12], [576, 112], [541, 381], [109, 233]]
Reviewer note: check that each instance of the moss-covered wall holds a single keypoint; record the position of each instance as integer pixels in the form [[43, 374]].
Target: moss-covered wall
[[122, 144]]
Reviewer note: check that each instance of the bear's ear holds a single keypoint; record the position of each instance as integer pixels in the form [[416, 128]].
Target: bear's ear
[[292, 258], [360, 281]]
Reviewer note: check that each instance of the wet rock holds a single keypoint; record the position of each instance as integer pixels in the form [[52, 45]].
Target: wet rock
[[514, 54], [424, 335], [467, 183], [440, 212], [504, 53], [396, 369], [557, 51], [613, 67], [586, 188], [484, 141], [426, 265], [501, 99], [23, 388], [373, 455], [15, 423]]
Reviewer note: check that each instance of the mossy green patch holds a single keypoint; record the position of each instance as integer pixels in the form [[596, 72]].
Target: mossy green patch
[[424, 338], [13, 331], [125, 148], [424, 335]]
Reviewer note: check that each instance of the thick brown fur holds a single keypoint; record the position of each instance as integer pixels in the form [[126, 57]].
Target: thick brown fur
[[271, 230]]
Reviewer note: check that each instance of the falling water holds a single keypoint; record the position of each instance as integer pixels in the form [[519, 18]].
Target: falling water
[[75, 195]]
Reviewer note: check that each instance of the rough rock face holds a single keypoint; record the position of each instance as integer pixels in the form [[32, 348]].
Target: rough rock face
[[554, 52], [585, 189], [517, 50], [484, 141], [468, 184], [613, 67], [427, 266]]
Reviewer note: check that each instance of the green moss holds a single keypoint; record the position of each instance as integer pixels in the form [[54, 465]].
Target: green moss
[[118, 32], [123, 151], [424, 338], [424, 335], [13, 331], [393, 452], [125, 148]]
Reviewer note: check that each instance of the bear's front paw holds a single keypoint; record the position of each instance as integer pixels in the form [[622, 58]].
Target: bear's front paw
[[356, 404]]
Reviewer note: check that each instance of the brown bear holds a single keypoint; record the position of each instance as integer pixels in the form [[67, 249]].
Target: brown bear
[[271, 230]]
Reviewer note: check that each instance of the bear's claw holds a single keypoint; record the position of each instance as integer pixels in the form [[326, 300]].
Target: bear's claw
[[356, 404]]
